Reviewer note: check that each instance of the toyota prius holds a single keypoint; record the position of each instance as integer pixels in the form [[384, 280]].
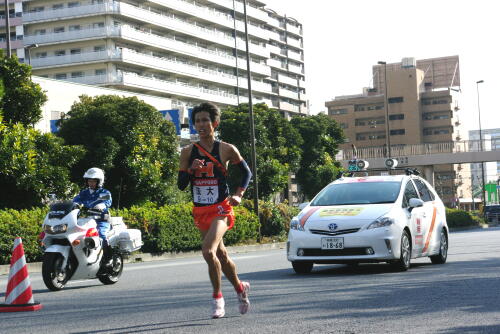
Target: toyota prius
[[353, 220]]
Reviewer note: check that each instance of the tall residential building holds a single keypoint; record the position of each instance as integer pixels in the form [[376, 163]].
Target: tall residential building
[[422, 108], [184, 50]]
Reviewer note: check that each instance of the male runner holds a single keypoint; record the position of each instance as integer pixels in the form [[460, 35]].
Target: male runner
[[204, 166]]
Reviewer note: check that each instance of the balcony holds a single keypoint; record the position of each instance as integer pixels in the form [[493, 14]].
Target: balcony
[[295, 56], [293, 29], [274, 49], [295, 69], [289, 107], [82, 58], [276, 63], [252, 12], [294, 42], [14, 44], [287, 80], [275, 22], [80, 11], [14, 21], [288, 93]]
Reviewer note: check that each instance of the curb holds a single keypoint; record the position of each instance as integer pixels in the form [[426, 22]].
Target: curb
[[36, 267]]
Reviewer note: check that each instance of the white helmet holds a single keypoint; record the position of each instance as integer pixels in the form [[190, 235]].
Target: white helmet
[[95, 173]]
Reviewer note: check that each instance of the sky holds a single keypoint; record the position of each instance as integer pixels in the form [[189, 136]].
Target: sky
[[343, 39]]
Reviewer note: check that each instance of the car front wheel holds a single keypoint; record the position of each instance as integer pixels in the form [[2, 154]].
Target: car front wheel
[[403, 263], [443, 250], [302, 267]]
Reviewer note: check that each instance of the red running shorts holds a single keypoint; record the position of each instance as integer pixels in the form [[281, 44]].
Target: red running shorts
[[205, 215]]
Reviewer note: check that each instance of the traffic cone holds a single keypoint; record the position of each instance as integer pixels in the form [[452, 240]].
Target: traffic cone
[[19, 296]]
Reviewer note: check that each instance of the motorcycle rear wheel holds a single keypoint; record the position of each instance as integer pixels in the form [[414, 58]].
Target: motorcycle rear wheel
[[54, 277], [112, 275]]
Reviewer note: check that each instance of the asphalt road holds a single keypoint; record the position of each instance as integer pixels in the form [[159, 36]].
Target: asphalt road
[[461, 296]]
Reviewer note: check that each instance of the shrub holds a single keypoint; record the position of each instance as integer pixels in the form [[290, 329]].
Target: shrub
[[459, 218]]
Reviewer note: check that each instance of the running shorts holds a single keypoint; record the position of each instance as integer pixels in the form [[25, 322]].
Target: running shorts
[[205, 215]]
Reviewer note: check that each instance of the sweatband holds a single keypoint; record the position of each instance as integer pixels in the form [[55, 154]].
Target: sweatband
[[246, 174], [183, 179]]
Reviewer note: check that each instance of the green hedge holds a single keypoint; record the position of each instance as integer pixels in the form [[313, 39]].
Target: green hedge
[[460, 218], [164, 229]]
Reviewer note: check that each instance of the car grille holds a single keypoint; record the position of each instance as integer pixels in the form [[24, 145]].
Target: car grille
[[335, 252], [323, 232]]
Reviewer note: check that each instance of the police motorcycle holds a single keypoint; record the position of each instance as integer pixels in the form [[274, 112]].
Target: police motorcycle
[[73, 249]]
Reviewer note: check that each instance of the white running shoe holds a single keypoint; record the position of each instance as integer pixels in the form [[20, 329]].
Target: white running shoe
[[243, 298], [218, 308]]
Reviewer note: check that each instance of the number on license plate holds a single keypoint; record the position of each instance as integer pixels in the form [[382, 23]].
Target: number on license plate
[[332, 243]]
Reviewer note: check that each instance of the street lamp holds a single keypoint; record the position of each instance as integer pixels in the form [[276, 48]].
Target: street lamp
[[28, 48], [7, 28], [483, 190], [386, 106]]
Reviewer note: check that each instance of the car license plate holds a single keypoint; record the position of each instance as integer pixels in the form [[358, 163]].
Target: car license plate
[[332, 243]]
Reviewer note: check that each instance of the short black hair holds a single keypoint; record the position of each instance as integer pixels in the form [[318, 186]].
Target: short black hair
[[209, 107]]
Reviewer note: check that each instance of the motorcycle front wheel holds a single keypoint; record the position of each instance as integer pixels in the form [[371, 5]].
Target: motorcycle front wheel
[[111, 275], [54, 276]]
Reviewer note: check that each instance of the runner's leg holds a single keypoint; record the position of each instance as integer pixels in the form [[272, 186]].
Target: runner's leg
[[227, 265], [211, 240]]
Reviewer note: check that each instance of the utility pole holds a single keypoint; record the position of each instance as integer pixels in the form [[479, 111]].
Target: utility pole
[[252, 126], [7, 28]]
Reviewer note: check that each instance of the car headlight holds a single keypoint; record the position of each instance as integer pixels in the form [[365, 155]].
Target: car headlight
[[381, 222], [295, 225]]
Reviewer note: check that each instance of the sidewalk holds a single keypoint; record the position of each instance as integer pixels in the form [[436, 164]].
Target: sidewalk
[[36, 267]]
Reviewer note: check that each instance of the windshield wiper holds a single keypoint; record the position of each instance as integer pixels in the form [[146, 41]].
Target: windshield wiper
[[382, 202]]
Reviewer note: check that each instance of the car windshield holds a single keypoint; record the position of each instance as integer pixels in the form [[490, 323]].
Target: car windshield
[[358, 193]]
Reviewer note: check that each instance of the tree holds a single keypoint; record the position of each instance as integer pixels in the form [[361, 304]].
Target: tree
[[130, 141], [33, 165], [22, 98], [318, 167], [277, 145]]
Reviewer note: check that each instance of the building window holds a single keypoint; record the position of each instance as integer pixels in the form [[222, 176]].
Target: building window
[[396, 117], [96, 25], [73, 4], [397, 132], [398, 99], [58, 6], [100, 71], [61, 76], [344, 125], [60, 52], [74, 27], [75, 51], [40, 32], [41, 55], [337, 111], [436, 131], [58, 30], [37, 9], [78, 74], [99, 48], [370, 135]]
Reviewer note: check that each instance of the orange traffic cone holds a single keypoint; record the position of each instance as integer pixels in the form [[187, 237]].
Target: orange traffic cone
[[19, 296]]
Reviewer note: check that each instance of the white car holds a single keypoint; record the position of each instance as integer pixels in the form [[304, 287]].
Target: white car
[[389, 219]]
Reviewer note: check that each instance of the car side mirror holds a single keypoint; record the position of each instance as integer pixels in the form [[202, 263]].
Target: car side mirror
[[303, 205], [415, 203]]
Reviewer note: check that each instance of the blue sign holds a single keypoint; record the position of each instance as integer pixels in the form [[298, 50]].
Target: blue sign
[[173, 116], [53, 126], [192, 130]]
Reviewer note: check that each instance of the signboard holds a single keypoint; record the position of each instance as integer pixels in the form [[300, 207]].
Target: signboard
[[191, 123], [53, 126], [173, 116]]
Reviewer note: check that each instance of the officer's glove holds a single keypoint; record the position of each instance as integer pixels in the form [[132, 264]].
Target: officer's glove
[[100, 207]]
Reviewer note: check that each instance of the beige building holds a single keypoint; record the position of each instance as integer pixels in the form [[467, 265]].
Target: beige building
[[184, 50], [422, 108]]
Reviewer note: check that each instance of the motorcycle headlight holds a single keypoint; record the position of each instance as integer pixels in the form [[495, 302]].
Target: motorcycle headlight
[[381, 222], [56, 229], [295, 225]]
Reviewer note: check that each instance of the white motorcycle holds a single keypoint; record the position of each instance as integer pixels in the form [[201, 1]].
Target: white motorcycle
[[73, 249]]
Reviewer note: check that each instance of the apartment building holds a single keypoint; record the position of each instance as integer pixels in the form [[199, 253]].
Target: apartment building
[[422, 108], [184, 50]]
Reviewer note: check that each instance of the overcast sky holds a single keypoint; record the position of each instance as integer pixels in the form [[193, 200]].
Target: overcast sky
[[344, 38]]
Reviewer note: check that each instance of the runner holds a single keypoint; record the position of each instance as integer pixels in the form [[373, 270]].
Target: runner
[[204, 166]]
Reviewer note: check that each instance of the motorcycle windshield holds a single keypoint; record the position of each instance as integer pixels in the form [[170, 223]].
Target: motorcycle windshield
[[60, 209]]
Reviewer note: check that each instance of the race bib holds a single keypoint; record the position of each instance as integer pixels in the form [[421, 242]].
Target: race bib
[[206, 191]]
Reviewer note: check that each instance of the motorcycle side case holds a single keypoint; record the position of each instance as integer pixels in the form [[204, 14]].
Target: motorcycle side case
[[129, 240]]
